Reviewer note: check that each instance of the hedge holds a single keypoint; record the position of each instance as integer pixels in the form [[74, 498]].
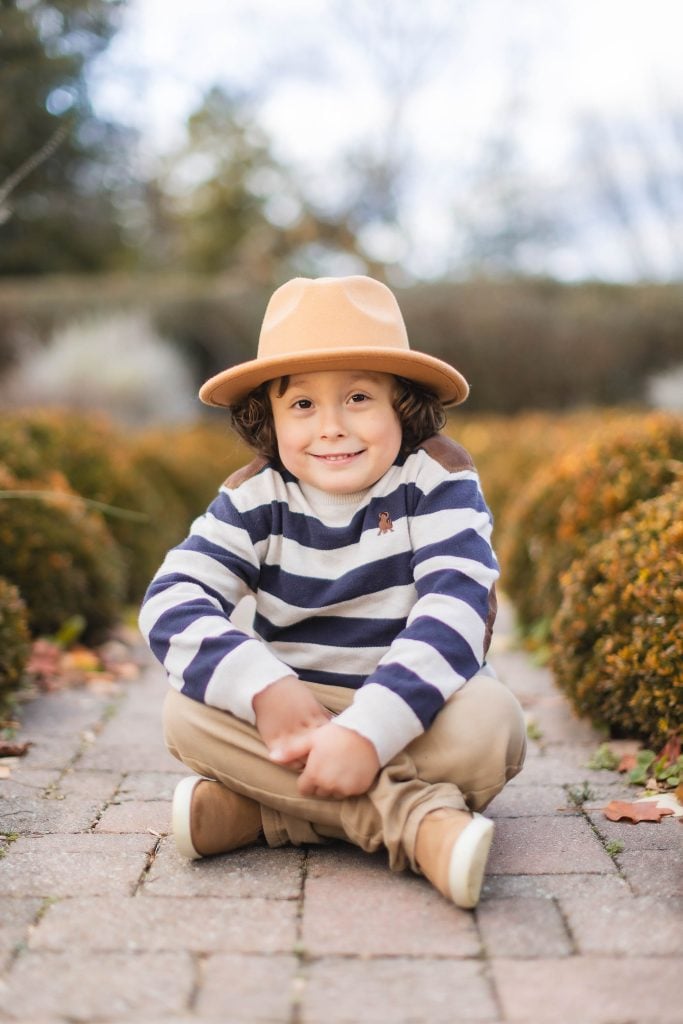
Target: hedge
[[617, 647]]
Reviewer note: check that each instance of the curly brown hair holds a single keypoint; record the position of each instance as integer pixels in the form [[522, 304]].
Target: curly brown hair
[[420, 413]]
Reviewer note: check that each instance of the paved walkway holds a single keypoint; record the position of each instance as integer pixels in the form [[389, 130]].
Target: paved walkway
[[101, 920]]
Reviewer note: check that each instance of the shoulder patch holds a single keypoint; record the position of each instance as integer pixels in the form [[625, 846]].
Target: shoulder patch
[[450, 455], [240, 476]]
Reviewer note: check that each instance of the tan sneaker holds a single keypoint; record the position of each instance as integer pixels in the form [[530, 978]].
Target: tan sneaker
[[452, 853], [209, 818]]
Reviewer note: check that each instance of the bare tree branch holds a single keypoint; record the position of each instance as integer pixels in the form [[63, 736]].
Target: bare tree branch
[[35, 160]]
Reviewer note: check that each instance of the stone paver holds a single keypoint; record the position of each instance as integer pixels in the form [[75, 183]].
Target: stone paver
[[592, 990], [199, 925], [344, 892], [96, 986], [258, 871], [397, 989], [644, 926], [136, 816], [523, 927], [533, 846], [102, 921], [248, 988], [74, 865]]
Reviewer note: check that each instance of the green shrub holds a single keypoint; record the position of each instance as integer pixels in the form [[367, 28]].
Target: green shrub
[[617, 643], [97, 461], [572, 501], [60, 555], [14, 641]]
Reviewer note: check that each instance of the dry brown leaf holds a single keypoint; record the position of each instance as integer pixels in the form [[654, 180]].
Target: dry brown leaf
[[678, 793], [9, 749], [671, 750], [627, 763], [646, 810]]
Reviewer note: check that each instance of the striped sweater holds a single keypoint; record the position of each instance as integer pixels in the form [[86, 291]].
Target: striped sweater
[[390, 592]]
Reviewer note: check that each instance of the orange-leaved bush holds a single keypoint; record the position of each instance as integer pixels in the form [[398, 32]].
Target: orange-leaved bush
[[14, 641], [572, 501], [59, 554], [617, 646]]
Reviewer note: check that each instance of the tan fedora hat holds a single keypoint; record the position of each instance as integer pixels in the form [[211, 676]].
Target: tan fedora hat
[[334, 323]]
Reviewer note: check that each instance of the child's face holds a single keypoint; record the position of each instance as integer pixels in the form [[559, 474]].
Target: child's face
[[336, 429]]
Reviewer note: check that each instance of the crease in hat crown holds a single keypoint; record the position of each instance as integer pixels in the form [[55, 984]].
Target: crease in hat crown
[[333, 323]]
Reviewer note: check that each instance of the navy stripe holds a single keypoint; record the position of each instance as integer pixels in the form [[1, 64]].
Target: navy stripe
[[350, 682], [421, 697], [246, 570], [308, 592], [175, 620], [162, 583], [452, 583], [332, 631], [310, 532], [455, 494], [451, 645], [466, 544], [211, 651]]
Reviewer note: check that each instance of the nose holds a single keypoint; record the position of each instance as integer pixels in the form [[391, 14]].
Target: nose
[[332, 422]]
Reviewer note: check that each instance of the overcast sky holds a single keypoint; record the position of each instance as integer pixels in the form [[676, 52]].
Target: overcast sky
[[544, 63]]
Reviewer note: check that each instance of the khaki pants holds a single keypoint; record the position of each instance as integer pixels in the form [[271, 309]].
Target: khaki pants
[[474, 746]]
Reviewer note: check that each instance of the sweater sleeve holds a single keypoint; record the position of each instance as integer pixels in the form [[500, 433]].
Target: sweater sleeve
[[185, 615], [444, 640]]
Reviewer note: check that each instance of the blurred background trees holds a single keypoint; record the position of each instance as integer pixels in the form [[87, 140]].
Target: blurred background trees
[[187, 240], [63, 215]]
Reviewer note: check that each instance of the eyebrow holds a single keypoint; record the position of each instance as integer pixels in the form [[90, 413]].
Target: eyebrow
[[359, 375]]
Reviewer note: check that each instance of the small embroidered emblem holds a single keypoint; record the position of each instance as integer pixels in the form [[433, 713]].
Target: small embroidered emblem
[[385, 523]]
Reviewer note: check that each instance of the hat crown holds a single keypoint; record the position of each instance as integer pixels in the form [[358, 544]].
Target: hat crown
[[330, 312]]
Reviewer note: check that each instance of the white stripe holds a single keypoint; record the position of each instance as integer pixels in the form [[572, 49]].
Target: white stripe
[[240, 675], [382, 717], [208, 571], [392, 603], [186, 643], [457, 615], [223, 535], [345, 660], [434, 527], [162, 602], [426, 663], [482, 574]]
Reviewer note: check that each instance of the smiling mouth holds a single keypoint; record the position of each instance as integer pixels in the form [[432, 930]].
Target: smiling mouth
[[338, 458]]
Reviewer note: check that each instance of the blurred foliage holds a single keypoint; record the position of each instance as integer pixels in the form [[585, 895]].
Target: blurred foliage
[[14, 642], [526, 344], [617, 643], [59, 554], [98, 464], [575, 497], [62, 215]]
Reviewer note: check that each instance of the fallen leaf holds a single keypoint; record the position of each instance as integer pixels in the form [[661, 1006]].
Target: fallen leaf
[[642, 810], [671, 750], [667, 800], [627, 763], [678, 793], [9, 749]]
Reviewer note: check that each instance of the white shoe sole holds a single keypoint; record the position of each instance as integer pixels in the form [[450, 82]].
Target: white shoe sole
[[182, 804], [468, 862]]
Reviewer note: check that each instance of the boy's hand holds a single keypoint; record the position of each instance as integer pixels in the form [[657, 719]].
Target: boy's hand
[[339, 762], [286, 714]]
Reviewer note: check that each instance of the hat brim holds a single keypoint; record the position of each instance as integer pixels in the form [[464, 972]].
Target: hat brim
[[230, 386]]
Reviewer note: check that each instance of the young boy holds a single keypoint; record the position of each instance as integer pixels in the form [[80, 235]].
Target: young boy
[[359, 705]]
